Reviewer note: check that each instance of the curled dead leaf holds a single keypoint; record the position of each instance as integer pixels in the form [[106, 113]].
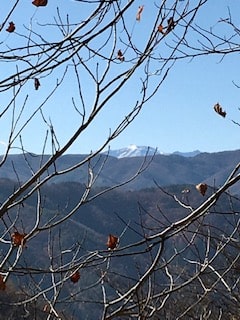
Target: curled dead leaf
[[160, 29], [18, 239], [40, 3], [112, 241], [11, 28], [219, 110], [202, 188], [139, 13], [36, 83], [171, 24], [120, 56], [75, 276]]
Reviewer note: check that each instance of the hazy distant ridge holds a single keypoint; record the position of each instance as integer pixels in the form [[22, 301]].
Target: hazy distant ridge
[[141, 151], [212, 168]]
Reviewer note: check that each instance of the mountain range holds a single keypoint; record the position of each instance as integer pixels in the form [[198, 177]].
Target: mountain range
[[173, 169], [140, 204], [140, 151]]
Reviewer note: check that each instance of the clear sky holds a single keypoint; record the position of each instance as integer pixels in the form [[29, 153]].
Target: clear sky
[[180, 116]]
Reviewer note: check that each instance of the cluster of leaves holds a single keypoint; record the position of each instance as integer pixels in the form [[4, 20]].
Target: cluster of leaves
[[38, 3]]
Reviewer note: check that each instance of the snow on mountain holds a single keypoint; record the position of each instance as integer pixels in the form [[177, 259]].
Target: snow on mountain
[[133, 151], [141, 151]]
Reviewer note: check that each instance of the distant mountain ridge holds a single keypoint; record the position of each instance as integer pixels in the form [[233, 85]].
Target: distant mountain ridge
[[133, 151], [140, 151], [165, 170]]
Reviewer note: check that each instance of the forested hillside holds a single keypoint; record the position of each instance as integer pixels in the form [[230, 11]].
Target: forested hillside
[[122, 213]]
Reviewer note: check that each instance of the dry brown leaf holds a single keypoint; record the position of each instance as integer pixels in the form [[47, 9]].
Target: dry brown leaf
[[18, 238], [120, 56], [40, 3], [112, 241], [75, 276], [202, 188], [160, 29], [219, 110], [139, 13], [11, 28], [36, 83], [171, 24]]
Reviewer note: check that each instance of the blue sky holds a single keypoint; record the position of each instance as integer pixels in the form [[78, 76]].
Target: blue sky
[[179, 117]]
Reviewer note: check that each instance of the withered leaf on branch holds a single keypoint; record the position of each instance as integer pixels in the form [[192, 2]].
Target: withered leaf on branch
[[40, 3], [18, 238], [171, 24], [75, 276], [139, 13], [36, 83], [112, 241], [202, 188], [160, 29], [219, 110], [120, 56], [11, 28]]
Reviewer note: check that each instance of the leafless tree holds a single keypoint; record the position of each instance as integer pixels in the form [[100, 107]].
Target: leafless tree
[[89, 61]]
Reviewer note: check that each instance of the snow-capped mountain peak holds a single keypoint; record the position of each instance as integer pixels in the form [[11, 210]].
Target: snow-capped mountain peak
[[140, 151], [133, 151]]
